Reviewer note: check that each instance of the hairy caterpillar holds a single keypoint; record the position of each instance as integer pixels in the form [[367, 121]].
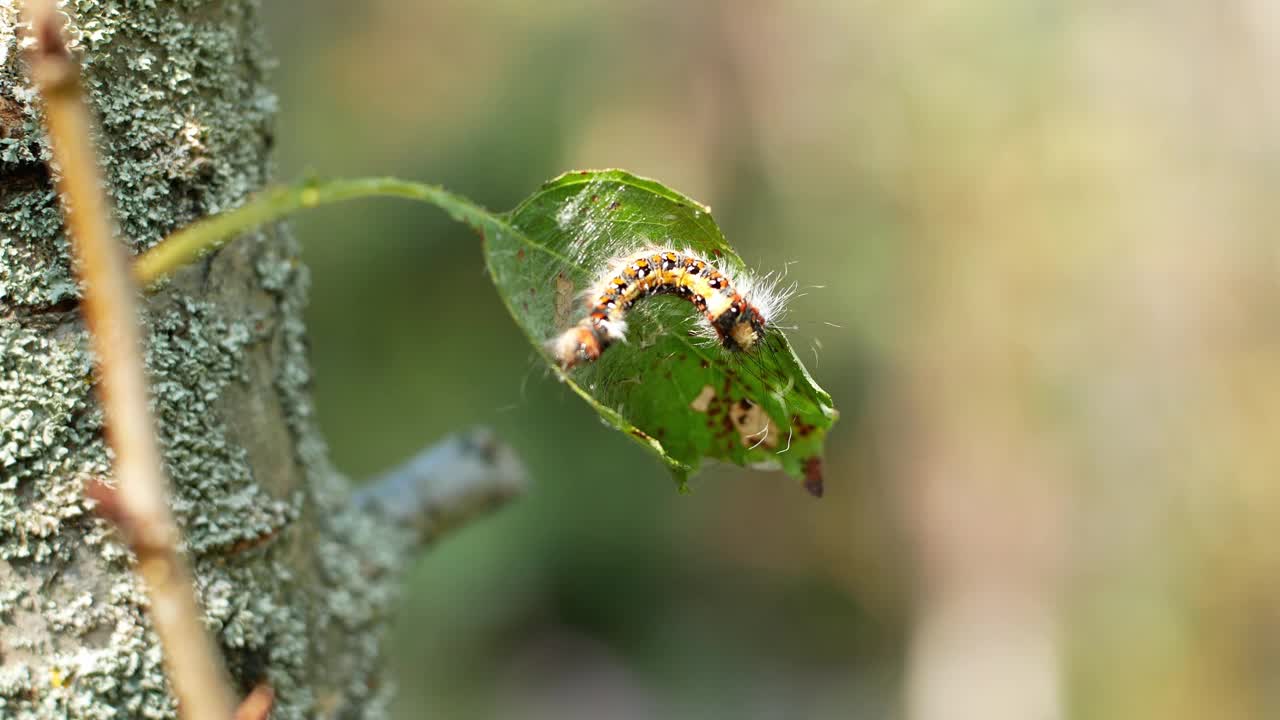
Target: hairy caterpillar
[[735, 312]]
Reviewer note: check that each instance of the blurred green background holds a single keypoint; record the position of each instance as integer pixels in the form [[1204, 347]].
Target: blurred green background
[[1037, 242]]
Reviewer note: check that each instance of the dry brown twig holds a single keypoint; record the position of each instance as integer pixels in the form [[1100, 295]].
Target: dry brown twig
[[138, 504], [257, 706]]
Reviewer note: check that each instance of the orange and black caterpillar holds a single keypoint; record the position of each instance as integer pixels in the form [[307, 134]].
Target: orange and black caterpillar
[[737, 322]]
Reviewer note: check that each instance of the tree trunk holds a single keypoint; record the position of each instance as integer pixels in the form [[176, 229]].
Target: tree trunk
[[293, 584]]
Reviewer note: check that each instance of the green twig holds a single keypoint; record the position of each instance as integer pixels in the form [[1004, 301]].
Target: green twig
[[187, 244]]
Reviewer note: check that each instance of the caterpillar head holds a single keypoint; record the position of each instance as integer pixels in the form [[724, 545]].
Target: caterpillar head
[[747, 332], [740, 326], [575, 346], [584, 342]]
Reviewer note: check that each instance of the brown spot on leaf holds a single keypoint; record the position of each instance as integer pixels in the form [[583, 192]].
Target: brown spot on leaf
[[800, 427], [520, 254]]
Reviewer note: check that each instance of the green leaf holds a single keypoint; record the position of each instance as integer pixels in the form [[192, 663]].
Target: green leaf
[[682, 397]]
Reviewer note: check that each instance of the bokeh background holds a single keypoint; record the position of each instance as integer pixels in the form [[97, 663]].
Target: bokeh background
[[1039, 242]]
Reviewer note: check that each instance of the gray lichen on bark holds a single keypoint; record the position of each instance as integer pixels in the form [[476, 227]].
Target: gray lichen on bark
[[287, 577]]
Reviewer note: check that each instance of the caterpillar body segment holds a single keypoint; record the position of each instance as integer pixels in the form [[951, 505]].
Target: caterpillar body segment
[[735, 315]]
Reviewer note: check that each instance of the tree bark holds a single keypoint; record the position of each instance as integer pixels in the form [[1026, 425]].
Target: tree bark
[[294, 578]]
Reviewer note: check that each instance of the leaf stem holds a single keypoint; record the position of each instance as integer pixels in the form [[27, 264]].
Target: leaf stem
[[272, 204]]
